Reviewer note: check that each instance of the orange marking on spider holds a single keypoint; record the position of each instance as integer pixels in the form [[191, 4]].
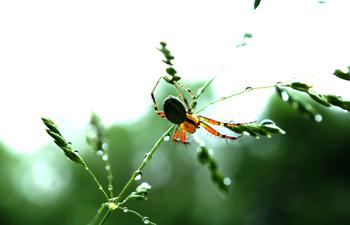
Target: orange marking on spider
[[181, 114]]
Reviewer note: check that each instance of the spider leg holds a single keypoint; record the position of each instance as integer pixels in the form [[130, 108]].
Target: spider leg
[[215, 132], [183, 137], [182, 133], [182, 96], [215, 122], [176, 133], [194, 98], [160, 113]]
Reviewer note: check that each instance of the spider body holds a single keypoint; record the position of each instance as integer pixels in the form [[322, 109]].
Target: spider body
[[174, 110], [181, 114]]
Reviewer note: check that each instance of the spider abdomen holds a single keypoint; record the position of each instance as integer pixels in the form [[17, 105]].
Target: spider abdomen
[[174, 110]]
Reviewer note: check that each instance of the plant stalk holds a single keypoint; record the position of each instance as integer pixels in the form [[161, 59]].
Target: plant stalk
[[143, 164]]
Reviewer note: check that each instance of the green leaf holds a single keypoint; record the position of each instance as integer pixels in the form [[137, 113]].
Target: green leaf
[[318, 98], [74, 156], [205, 158], [218, 178], [167, 54], [172, 80], [61, 142], [171, 71], [338, 101], [300, 86], [342, 75], [303, 108], [50, 124], [247, 35], [256, 3], [271, 128], [264, 128]]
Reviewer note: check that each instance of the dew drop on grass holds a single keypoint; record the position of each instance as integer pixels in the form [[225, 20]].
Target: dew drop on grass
[[99, 153], [246, 133], [285, 96], [107, 167], [166, 138], [125, 210], [145, 220], [138, 175], [105, 146], [248, 88], [227, 181], [318, 118], [105, 157], [267, 122], [146, 155]]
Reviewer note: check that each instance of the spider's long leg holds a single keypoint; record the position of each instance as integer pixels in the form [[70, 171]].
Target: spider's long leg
[[160, 113], [183, 136], [176, 133], [194, 98], [182, 133], [215, 122], [215, 132], [183, 97]]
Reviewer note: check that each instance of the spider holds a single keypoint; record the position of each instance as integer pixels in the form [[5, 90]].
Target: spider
[[176, 112]]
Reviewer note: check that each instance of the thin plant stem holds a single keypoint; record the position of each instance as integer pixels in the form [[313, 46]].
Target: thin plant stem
[[249, 89], [105, 217], [109, 177], [143, 164], [137, 214], [104, 147], [97, 215], [97, 182]]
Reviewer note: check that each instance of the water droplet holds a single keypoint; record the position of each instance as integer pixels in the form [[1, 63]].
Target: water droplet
[[108, 167], [146, 155], [100, 187], [125, 210], [227, 181], [166, 138], [267, 122], [110, 188], [145, 220], [248, 88], [245, 133], [105, 157], [105, 146], [138, 175], [318, 118], [285, 96], [99, 152]]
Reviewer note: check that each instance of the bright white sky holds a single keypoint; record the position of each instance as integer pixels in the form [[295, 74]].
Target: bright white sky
[[64, 59]]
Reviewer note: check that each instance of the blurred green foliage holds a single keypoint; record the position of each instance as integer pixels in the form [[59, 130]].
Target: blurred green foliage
[[298, 178]]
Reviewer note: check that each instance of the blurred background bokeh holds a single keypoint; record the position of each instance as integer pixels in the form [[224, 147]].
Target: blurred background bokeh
[[66, 59]]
